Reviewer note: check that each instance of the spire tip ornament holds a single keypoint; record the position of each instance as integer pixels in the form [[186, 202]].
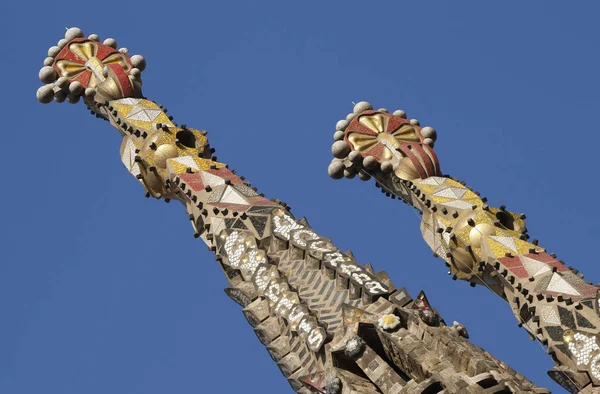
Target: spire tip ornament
[[88, 64]]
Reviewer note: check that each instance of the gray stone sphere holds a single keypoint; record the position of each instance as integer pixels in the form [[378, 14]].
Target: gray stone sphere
[[48, 74], [400, 113], [94, 37], [76, 88], [90, 92], [340, 149], [429, 132], [110, 42], [138, 61], [349, 172], [60, 96], [349, 117], [355, 157], [135, 72], [387, 167], [124, 51], [48, 61], [429, 141], [414, 122], [370, 162], [62, 83], [336, 169], [73, 33], [45, 94], [363, 177], [338, 135], [362, 106], [73, 98], [61, 43], [53, 51], [341, 124], [382, 110]]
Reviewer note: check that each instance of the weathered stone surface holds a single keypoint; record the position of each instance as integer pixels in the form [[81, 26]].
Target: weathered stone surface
[[268, 330], [257, 311]]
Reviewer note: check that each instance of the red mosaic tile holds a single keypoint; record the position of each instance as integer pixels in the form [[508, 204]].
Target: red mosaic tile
[[519, 272], [258, 200], [559, 266], [431, 153], [194, 181], [509, 262], [407, 152], [231, 207], [395, 122], [102, 52], [123, 78], [225, 173], [543, 257], [376, 152], [588, 290], [428, 163]]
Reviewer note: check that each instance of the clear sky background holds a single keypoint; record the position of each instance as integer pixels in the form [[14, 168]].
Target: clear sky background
[[104, 291]]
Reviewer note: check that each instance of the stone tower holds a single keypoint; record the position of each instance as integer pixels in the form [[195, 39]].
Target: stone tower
[[331, 324], [479, 243]]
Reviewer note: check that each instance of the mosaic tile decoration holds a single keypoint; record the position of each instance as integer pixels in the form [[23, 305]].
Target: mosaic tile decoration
[[322, 317], [480, 244]]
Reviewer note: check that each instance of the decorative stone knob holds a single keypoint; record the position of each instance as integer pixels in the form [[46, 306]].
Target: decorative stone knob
[[79, 66]]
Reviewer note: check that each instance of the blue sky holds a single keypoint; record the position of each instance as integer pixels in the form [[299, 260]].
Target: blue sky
[[102, 290]]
